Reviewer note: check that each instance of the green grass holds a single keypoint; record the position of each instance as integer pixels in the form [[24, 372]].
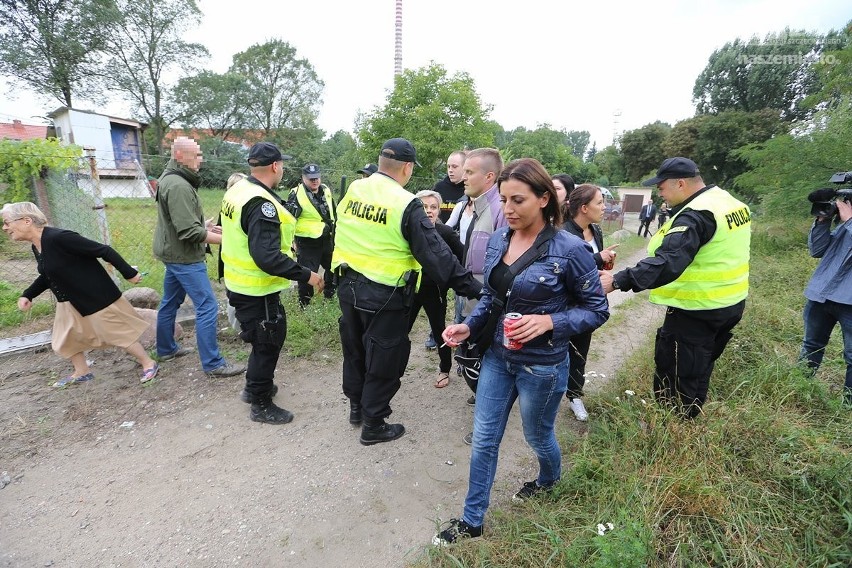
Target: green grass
[[10, 315], [313, 329], [132, 223], [763, 478]]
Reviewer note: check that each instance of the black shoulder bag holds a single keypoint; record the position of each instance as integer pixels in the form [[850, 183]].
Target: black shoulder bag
[[469, 354]]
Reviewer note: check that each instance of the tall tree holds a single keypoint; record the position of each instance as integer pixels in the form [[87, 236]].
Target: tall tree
[[145, 45], [436, 112], [211, 100], [591, 153], [579, 142], [611, 166], [683, 138], [283, 90], [775, 73], [784, 169], [642, 149], [834, 70], [724, 133], [53, 46], [553, 148]]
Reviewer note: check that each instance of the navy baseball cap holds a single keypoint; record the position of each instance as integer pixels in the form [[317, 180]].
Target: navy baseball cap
[[311, 171], [401, 150], [674, 168], [263, 154], [369, 169]]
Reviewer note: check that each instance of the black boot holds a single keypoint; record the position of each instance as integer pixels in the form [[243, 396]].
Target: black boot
[[354, 413], [376, 433], [265, 411], [246, 397]]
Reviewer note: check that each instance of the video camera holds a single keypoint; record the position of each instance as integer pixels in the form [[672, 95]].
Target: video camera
[[824, 200]]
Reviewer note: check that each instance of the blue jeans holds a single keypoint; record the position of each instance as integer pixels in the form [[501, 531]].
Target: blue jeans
[[820, 319], [192, 279], [539, 388], [457, 316]]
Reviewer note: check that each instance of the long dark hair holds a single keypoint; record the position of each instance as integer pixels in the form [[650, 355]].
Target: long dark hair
[[531, 172], [568, 183], [581, 195]]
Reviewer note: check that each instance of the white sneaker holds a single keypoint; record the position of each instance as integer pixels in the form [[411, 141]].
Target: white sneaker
[[579, 410]]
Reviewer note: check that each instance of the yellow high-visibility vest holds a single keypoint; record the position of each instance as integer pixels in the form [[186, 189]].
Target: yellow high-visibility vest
[[242, 275], [718, 276], [310, 223], [369, 231]]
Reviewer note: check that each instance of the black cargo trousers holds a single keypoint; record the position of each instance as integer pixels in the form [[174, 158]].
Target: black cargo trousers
[[374, 335], [313, 254], [263, 325], [687, 346]]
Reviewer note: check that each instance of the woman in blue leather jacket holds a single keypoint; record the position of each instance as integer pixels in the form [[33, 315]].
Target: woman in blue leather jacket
[[559, 295]]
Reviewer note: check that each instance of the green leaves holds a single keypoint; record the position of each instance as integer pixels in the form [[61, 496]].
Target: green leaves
[[642, 149], [775, 72], [436, 112], [52, 45], [21, 161], [282, 90]]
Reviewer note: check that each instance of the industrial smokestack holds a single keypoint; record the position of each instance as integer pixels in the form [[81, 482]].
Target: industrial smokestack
[[397, 60]]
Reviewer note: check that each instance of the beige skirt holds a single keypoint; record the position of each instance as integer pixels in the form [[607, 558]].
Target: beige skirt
[[117, 325]]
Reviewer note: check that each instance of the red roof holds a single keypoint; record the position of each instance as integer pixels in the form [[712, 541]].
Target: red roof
[[241, 136], [21, 132]]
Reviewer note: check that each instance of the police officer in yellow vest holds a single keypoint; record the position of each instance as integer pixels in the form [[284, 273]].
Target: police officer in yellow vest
[[384, 239], [698, 267], [257, 233], [312, 204]]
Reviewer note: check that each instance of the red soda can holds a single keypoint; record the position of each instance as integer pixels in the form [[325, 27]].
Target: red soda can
[[508, 324], [609, 264]]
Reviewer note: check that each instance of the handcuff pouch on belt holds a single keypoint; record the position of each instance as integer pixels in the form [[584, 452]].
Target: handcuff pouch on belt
[[273, 329], [410, 288]]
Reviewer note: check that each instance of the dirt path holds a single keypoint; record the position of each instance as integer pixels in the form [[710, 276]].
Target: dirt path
[[111, 473]]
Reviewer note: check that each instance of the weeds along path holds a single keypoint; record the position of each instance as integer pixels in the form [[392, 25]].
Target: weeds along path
[[111, 473]]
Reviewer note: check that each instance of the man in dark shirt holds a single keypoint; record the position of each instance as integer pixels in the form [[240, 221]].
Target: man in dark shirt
[[699, 269], [255, 231], [451, 188]]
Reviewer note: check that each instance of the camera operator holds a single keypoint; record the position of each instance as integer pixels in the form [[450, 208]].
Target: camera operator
[[829, 292]]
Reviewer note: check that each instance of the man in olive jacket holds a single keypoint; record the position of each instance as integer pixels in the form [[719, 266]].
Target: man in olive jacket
[[180, 241]]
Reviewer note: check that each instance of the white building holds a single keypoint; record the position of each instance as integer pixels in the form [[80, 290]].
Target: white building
[[115, 144]]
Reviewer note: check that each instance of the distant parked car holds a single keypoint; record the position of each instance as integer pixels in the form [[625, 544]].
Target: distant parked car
[[612, 212]]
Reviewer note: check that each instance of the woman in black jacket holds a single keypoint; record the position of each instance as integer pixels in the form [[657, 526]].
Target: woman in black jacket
[[585, 211], [430, 296], [90, 310]]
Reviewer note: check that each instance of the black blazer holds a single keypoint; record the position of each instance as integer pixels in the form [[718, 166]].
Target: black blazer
[[452, 240], [597, 234]]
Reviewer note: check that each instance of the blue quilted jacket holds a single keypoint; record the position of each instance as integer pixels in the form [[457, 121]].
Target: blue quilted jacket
[[564, 283]]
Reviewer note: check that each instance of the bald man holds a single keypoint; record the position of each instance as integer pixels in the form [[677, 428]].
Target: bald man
[[180, 242]]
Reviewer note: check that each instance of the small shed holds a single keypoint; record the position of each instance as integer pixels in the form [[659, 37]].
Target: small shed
[[634, 197], [115, 145]]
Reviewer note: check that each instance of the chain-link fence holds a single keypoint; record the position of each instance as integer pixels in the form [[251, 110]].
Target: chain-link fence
[[113, 202]]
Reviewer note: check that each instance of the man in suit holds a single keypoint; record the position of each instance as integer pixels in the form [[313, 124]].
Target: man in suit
[[646, 215]]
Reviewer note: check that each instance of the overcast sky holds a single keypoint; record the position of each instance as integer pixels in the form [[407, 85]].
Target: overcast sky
[[604, 66]]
